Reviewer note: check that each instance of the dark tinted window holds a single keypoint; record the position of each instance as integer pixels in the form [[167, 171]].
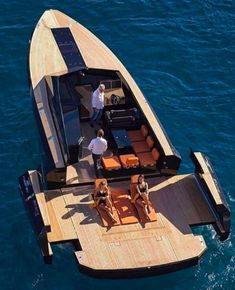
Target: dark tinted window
[[116, 84]]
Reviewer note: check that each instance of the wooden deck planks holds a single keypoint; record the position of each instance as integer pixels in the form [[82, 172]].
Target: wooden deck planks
[[40, 197], [86, 223], [43, 63], [167, 240], [184, 189], [178, 199], [212, 187], [121, 250], [62, 228], [192, 198]]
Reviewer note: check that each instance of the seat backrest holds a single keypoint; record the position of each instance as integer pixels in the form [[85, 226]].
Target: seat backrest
[[134, 178], [150, 142], [133, 190], [144, 130], [98, 181], [123, 113], [118, 113], [155, 154]]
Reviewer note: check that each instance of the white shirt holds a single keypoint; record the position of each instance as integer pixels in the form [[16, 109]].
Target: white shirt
[[98, 99], [98, 145]]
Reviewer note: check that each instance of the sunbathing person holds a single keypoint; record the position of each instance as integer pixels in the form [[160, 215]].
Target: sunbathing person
[[141, 197], [102, 199]]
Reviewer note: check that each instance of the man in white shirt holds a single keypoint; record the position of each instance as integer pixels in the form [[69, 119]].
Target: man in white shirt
[[98, 146], [97, 104]]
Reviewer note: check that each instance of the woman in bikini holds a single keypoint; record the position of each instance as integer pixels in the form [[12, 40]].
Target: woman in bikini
[[102, 198], [141, 196]]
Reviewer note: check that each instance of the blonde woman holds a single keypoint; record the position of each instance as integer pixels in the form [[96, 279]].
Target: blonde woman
[[103, 201]]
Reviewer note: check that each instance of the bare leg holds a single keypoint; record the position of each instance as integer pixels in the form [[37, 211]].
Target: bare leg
[[109, 204], [146, 200], [142, 204], [103, 207]]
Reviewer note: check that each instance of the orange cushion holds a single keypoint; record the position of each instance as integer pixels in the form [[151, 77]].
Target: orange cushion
[[132, 161], [146, 159], [135, 135], [155, 154], [126, 210], [129, 160], [139, 147], [111, 163], [144, 131], [150, 142]]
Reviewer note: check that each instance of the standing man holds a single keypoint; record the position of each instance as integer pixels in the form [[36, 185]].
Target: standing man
[[98, 146], [97, 104]]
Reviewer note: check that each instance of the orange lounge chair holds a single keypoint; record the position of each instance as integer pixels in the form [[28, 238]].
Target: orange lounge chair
[[138, 135], [152, 216], [98, 181], [149, 159], [103, 215], [111, 163], [106, 221], [126, 210], [129, 161], [143, 146]]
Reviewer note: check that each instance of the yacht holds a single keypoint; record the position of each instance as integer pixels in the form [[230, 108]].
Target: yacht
[[66, 64]]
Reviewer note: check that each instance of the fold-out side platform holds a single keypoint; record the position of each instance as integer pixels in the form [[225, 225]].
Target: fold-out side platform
[[162, 245]]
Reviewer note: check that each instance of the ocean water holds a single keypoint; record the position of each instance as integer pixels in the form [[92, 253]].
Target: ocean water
[[181, 53]]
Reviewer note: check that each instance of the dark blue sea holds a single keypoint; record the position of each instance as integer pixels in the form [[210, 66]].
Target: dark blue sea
[[182, 55]]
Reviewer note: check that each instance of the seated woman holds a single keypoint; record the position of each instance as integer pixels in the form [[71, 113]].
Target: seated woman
[[102, 199], [141, 197]]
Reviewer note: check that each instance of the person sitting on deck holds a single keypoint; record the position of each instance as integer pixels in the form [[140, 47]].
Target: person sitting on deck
[[141, 197], [102, 199]]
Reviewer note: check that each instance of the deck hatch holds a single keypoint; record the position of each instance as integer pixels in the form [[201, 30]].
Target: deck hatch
[[68, 48]]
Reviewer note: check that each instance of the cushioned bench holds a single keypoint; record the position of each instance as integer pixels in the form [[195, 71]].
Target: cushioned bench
[[143, 146], [126, 118], [149, 159], [111, 163], [129, 161], [138, 135], [123, 210]]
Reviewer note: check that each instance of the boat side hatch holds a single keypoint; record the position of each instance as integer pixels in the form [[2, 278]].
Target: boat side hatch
[[30, 185], [73, 135], [211, 188]]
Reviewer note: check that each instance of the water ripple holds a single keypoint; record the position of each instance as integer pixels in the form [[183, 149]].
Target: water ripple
[[181, 54]]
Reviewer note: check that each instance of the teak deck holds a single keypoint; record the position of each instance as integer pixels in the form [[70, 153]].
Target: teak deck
[[167, 241]]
